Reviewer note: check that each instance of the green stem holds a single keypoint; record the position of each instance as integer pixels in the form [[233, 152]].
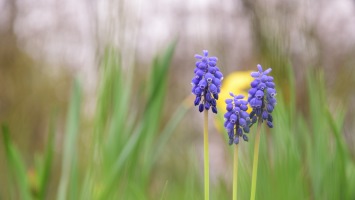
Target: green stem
[[206, 157], [255, 162], [235, 172]]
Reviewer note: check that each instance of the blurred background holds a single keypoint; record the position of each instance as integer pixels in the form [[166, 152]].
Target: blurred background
[[95, 97]]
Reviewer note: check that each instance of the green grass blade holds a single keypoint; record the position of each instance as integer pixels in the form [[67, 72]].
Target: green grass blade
[[169, 130], [74, 182], [157, 90], [159, 73], [116, 168], [45, 173], [87, 187], [125, 148], [341, 151], [164, 190], [121, 97], [69, 146], [16, 165]]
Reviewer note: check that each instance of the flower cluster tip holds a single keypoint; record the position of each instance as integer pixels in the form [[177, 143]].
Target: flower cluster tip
[[262, 96], [237, 120], [206, 84]]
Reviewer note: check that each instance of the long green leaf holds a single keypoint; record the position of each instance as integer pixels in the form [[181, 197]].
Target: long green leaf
[[45, 173], [16, 165], [168, 131], [145, 129], [70, 138], [157, 89]]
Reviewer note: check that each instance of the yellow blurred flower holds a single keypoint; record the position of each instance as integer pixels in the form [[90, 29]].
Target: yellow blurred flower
[[236, 82]]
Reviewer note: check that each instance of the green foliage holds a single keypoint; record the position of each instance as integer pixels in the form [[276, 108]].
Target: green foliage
[[44, 168], [304, 156], [131, 140], [69, 163], [16, 166]]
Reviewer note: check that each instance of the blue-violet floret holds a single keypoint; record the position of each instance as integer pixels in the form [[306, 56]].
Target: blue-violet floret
[[262, 96], [237, 120], [206, 83]]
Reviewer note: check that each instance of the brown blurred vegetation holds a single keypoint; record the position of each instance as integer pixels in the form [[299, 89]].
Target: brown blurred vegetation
[[29, 95]]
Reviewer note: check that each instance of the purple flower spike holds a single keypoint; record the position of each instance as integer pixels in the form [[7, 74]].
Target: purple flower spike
[[237, 119], [206, 83], [262, 96]]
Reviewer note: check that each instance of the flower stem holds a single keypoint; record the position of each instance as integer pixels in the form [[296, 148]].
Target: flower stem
[[206, 156], [255, 162], [235, 173]]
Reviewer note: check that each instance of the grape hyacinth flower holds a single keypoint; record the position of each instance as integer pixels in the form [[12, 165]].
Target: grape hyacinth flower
[[206, 84], [262, 100], [262, 96], [237, 120], [237, 123]]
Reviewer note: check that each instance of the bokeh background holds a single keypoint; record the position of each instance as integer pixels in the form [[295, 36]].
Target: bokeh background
[[131, 131]]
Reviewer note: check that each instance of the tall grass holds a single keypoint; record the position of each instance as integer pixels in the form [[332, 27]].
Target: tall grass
[[305, 156]]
